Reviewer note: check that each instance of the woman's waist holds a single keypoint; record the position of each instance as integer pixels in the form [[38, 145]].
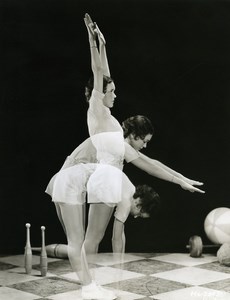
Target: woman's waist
[[117, 164]]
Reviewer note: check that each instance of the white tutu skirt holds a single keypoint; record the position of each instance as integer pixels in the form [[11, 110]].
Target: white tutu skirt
[[69, 185], [107, 184], [103, 184]]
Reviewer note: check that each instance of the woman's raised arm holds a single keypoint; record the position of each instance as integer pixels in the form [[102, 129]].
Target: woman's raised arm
[[102, 51], [96, 64]]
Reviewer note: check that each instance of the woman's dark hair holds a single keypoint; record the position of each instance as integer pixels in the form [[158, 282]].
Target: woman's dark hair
[[89, 86], [149, 199], [139, 126]]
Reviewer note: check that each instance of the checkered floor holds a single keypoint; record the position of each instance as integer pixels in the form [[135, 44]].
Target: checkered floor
[[140, 276]]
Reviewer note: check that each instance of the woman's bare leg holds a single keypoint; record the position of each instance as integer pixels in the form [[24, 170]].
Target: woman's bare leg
[[98, 219], [72, 218], [58, 211]]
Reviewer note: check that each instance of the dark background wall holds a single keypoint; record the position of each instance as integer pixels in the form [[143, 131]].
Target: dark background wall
[[170, 61]]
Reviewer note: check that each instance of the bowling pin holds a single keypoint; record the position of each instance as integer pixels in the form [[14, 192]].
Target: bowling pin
[[54, 250], [28, 251], [43, 256]]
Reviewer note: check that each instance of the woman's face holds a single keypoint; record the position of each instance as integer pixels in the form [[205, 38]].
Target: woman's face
[[110, 96], [135, 209], [139, 143]]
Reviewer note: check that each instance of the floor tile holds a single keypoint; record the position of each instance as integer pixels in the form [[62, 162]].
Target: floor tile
[[147, 285], [108, 259], [122, 295], [185, 259], [215, 266], [142, 276], [106, 275], [76, 295], [57, 267], [194, 293], [5, 266], [9, 277], [222, 285], [12, 294], [46, 286], [72, 295], [18, 260], [148, 255], [148, 266], [192, 275], [34, 272]]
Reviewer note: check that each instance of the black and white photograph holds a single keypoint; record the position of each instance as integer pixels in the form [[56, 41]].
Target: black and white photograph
[[115, 142]]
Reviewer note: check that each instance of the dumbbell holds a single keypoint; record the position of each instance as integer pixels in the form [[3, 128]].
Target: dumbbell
[[196, 246]]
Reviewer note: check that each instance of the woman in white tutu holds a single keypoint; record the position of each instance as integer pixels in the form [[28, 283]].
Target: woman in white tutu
[[106, 145], [68, 194], [109, 151], [70, 187], [104, 185]]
